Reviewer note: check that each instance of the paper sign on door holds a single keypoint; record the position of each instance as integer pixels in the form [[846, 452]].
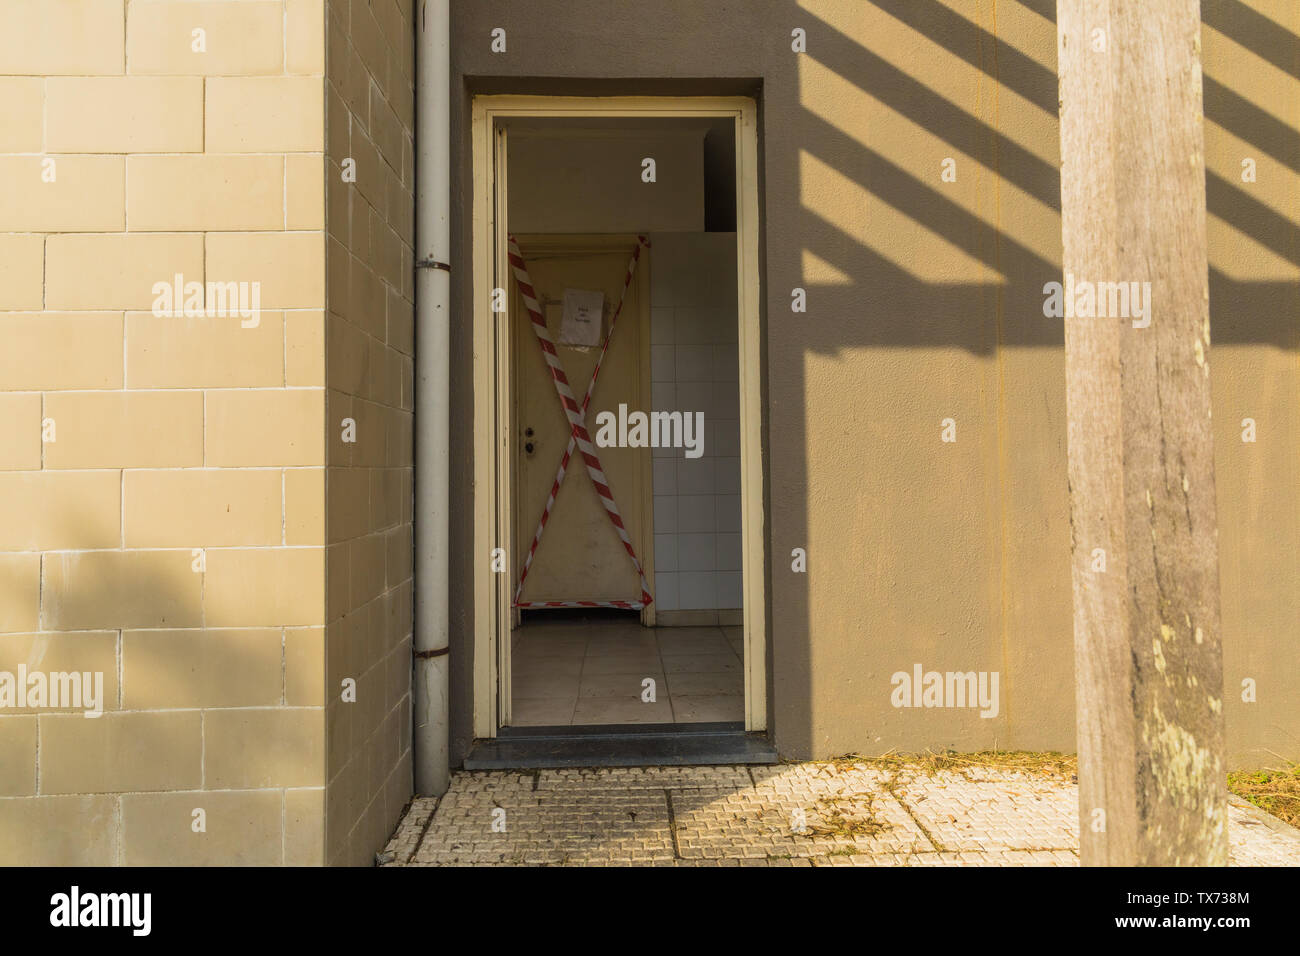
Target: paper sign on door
[[581, 323]]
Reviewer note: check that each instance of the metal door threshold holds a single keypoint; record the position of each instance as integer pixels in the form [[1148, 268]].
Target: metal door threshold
[[620, 745]]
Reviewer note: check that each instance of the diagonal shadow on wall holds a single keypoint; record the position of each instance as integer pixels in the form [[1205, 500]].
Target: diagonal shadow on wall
[[894, 304]]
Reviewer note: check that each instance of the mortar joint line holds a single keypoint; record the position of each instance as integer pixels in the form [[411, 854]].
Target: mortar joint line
[[419, 842], [890, 787], [672, 824]]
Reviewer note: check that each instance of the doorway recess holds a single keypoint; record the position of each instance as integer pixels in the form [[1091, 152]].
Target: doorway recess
[[616, 284]]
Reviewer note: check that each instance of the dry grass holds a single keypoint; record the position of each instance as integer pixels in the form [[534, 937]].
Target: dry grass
[[1045, 764], [1275, 790], [853, 815]]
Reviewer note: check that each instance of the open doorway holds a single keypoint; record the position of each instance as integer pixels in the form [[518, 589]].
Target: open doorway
[[623, 436]]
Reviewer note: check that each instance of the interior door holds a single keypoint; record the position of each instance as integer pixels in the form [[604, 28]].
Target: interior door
[[580, 557]]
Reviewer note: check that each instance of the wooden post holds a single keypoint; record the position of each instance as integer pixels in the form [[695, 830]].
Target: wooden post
[[1149, 678]]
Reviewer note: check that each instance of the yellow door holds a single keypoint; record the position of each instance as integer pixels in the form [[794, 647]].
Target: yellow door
[[580, 557]]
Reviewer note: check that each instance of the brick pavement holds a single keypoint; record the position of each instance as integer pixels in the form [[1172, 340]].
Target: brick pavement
[[807, 814]]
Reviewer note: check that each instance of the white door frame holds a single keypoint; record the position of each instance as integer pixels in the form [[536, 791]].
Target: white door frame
[[492, 439]]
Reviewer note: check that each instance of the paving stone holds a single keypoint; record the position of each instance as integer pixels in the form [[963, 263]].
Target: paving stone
[[1257, 840], [1021, 815], [603, 828], [648, 778], [401, 847], [853, 815]]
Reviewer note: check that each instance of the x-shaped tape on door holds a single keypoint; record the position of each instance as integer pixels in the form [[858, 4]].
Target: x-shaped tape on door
[[577, 415]]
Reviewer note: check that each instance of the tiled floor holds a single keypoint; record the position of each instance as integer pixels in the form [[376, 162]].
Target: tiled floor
[[582, 672]]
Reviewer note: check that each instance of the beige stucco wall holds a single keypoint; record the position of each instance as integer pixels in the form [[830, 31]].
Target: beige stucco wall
[[924, 303], [1252, 106], [952, 555], [173, 438]]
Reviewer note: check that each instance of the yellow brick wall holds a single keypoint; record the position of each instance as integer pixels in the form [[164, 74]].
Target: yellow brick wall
[[369, 119], [173, 437]]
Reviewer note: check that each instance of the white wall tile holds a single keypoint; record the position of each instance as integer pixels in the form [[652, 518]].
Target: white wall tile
[[729, 514], [663, 396], [695, 475], [728, 323], [665, 476], [666, 592], [730, 555], [662, 325], [726, 364], [697, 591], [693, 326], [663, 365], [665, 514], [730, 589], [697, 552], [695, 397], [726, 476], [694, 363], [726, 397], [724, 434], [696, 287], [696, 514], [695, 435], [702, 438], [695, 368], [663, 273], [666, 552]]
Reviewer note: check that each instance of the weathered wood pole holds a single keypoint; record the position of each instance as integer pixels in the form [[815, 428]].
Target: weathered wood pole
[[1148, 666]]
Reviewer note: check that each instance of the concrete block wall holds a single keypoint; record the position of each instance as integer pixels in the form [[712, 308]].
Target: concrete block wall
[[162, 478], [369, 97]]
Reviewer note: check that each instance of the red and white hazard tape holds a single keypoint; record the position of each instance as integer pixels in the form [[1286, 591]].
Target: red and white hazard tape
[[577, 433]]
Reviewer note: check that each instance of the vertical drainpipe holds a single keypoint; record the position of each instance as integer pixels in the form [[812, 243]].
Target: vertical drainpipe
[[432, 394]]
